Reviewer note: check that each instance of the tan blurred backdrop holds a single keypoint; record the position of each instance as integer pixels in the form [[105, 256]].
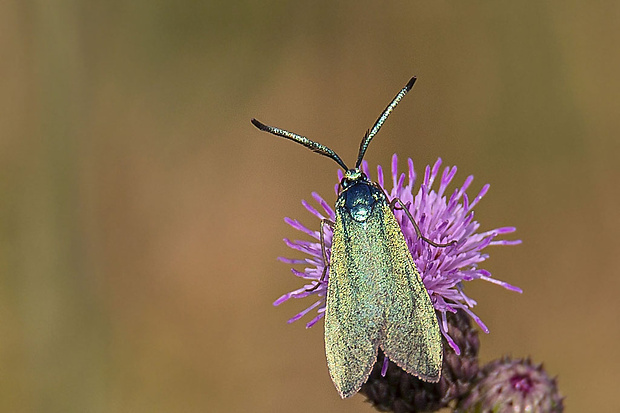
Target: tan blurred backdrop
[[141, 213]]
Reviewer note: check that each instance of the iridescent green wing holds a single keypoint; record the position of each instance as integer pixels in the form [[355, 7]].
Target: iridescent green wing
[[411, 338], [354, 316], [376, 298]]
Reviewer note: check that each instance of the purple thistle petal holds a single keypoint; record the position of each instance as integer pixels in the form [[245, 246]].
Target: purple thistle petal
[[305, 275], [304, 312], [315, 319], [469, 301], [505, 230], [312, 210], [500, 283], [302, 248], [326, 207], [386, 363], [446, 179], [380, 175], [480, 195], [466, 203], [465, 186], [443, 326], [427, 178], [340, 176], [299, 226], [297, 293], [399, 185], [282, 299], [506, 242], [291, 261], [365, 168], [476, 319], [434, 171], [412, 175], [394, 169]]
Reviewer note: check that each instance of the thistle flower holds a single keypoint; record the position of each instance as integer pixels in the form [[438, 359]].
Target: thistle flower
[[441, 218], [513, 386]]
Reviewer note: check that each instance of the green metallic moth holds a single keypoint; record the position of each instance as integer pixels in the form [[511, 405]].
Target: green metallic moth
[[375, 296]]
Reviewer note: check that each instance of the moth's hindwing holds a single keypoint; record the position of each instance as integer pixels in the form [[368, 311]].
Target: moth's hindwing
[[376, 298]]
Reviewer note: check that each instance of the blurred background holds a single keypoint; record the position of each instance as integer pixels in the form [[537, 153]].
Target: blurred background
[[141, 214]]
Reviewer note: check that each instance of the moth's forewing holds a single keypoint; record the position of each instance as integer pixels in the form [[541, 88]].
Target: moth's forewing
[[375, 297], [412, 338], [354, 314]]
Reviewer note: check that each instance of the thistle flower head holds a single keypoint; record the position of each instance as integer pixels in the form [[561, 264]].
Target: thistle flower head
[[508, 385], [441, 218]]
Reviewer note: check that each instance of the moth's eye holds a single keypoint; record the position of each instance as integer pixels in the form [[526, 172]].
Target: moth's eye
[[344, 183]]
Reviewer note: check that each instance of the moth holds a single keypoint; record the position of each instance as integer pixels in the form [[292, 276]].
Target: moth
[[375, 295]]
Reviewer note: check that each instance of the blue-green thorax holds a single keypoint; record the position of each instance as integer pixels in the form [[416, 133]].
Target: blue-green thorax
[[359, 196]]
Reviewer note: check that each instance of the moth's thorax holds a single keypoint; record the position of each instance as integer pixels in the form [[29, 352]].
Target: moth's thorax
[[359, 195]]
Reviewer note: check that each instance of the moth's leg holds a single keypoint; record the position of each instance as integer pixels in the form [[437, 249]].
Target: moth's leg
[[324, 251], [415, 225], [331, 224]]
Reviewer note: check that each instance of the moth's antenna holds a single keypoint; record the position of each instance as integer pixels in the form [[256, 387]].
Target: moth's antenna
[[372, 132], [312, 145]]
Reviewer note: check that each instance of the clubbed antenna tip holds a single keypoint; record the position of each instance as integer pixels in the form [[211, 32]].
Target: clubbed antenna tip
[[410, 83], [260, 125], [373, 131]]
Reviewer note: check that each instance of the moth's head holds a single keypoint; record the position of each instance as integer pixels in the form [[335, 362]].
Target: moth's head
[[351, 177]]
